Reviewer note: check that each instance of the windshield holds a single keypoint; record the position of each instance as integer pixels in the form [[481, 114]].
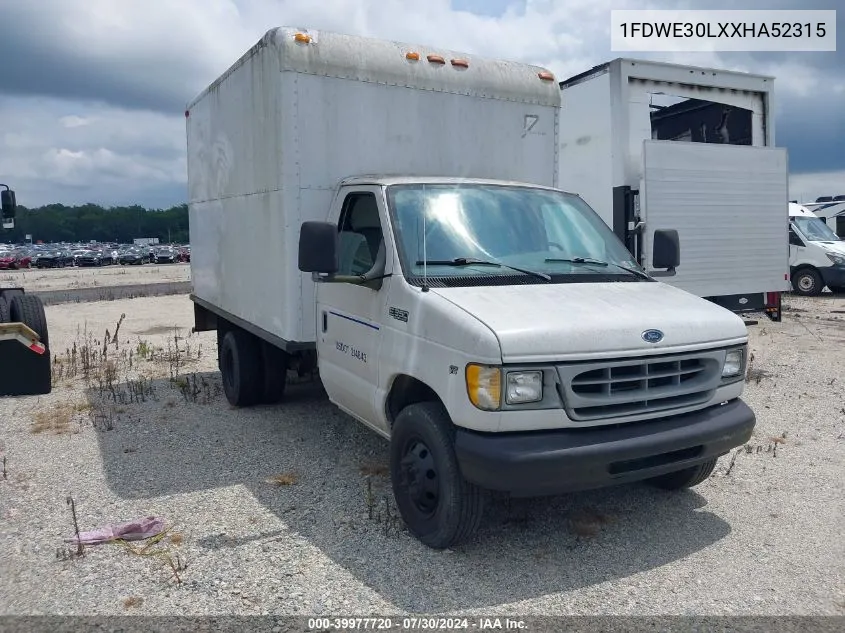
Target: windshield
[[551, 233], [815, 229]]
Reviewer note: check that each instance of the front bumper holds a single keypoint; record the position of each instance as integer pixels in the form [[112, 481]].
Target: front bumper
[[833, 276], [568, 460]]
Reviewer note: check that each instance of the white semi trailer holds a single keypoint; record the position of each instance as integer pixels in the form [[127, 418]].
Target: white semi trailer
[[652, 145], [387, 214]]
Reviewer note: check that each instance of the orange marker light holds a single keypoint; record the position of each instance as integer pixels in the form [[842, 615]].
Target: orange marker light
[[302, 37], [546, 76], [436, 59], [412, 56], [460, 63]]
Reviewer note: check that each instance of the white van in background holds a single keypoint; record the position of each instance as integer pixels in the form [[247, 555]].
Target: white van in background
[[816, 253], [831, 209]]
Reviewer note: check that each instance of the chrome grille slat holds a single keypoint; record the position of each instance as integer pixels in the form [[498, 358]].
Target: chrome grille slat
[[614, 389]]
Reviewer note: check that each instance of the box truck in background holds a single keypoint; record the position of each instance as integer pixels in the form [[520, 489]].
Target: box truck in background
[[723, 187], [387, 214]]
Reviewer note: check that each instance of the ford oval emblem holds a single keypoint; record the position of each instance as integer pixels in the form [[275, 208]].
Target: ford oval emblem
[[652, 336]]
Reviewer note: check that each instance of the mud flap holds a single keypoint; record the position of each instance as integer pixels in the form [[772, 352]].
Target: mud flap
[[25, 368]]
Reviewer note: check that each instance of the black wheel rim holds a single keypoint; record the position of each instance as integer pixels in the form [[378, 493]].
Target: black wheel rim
[[420, 477]]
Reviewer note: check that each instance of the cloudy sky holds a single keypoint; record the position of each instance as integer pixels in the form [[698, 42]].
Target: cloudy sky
[[93, 92]]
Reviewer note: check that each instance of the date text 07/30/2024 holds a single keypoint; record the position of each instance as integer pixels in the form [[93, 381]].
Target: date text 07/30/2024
[[415, 623]]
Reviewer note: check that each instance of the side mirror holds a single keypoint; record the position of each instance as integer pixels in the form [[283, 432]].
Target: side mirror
[[318, 248], [9, 205], [666, 252]]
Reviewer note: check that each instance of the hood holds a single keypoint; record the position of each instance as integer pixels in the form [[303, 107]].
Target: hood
[[834, 247], [577, 321]]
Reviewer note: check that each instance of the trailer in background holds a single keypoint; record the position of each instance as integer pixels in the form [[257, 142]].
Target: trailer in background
[[654, 145], [25, 367], [831, 209]]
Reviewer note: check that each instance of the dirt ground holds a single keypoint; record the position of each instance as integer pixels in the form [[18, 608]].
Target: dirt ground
[[286, 509], [35, 280]]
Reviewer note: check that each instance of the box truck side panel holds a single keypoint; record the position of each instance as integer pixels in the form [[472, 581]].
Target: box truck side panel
[[270, 141], [729, 205], [237, 162], [587, 143]]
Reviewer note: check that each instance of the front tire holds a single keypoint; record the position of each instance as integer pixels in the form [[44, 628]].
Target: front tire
[[240, 366], [686, 478], [807, 282], [438, 505]]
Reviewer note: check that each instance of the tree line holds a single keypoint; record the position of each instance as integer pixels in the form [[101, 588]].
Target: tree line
[[61, 223]]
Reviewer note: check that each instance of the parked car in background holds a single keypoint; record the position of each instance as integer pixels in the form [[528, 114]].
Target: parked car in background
[[133, 256], [55, 259], [166, 255], [8, 260], [89, 258]]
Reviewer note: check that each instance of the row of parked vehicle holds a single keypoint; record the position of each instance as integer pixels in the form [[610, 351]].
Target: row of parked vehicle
[[13, 257]]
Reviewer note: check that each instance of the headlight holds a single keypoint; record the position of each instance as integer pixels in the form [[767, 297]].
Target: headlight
[[524, 386], [484, 386], [733, 363], [839, 260]]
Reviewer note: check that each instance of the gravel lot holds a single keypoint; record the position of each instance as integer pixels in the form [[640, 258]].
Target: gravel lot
[[50, 279], [269, 506]]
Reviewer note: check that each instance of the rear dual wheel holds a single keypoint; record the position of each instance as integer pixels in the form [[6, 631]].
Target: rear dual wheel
[[253, 371]]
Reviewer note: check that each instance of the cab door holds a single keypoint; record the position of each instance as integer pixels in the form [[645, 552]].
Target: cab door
[[349, 331]]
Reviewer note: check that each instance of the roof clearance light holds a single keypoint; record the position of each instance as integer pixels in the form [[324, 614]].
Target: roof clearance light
[[436, 59], [460, 63], [302, 37], [412, 56], [546, 76]]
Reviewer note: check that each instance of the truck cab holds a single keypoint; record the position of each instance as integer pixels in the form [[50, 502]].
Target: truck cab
[[816, 253], [503, 338]]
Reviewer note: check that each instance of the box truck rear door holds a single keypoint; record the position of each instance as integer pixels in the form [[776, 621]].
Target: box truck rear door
[[729, 204]]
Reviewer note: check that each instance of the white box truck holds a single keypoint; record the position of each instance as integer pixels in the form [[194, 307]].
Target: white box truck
[[387, 214], [652, 145]]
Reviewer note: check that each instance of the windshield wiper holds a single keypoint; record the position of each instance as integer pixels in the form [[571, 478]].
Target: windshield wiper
[[598, 262], [471, 261]]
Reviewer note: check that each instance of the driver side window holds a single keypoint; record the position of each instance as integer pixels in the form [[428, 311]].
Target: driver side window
[[360, 234], [794, 240]]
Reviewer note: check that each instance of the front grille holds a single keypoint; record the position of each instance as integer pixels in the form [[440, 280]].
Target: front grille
[[639, 386]]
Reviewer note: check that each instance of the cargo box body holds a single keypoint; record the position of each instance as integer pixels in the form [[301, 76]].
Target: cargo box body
[[705, 165], [271, 139]]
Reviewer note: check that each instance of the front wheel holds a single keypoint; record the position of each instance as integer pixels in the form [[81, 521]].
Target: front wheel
[[438, 505], [807, 282]]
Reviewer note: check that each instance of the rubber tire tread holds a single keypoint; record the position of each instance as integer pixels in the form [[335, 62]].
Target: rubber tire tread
[[275, 366], [819, 283], [686, 478], [29, 310], [246, 368], [5, 315], [431, 421]]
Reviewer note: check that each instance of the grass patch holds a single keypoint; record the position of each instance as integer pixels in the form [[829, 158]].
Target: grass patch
[[283, 479], [58, 419]]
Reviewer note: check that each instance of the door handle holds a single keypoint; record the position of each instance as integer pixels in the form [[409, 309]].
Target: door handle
[[325, 321]]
